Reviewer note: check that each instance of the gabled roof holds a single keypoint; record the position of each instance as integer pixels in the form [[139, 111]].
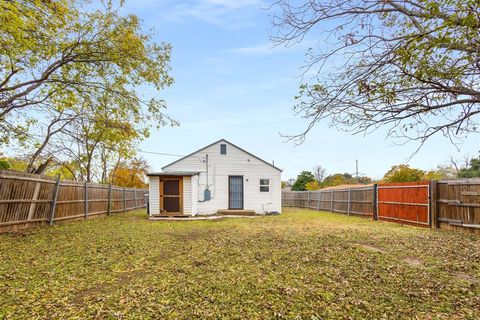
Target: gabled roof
[[222, 140]]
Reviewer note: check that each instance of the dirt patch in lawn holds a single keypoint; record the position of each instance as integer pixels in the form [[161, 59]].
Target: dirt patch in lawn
[[468, 278], [124, 278], [413, 262], [194, 234], [79, 298]]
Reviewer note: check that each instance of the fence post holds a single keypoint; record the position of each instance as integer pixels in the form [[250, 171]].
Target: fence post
[[331, 200], [319, 200], [33, 205], [85, 205], [374, 202], [349, 201], [54, 200], [124, 200], [308, 199], [146, 202], [109, 207], [136, 203], [433, 198]]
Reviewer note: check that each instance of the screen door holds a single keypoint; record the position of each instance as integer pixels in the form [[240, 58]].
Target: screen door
[[235, 192], [171, 196]]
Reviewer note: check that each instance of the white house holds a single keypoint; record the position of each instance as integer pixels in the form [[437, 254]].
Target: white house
[[219, 178]]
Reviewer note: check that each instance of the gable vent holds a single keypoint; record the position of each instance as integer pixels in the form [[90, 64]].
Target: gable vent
[[223, 148]]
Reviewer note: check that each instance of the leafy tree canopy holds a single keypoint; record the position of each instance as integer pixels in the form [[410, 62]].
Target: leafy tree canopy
[[64, 171], [10, 163], [441, 172], [344, 178], [4, 165], [403, 173], [303, 178], [131, 175], [65, 63], [313, 185], [337, 179], [472, 171]]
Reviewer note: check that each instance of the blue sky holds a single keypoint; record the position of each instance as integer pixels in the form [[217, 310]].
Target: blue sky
[[230, 82]]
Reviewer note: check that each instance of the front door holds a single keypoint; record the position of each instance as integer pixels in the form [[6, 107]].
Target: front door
[[171, 200], [235, 192]]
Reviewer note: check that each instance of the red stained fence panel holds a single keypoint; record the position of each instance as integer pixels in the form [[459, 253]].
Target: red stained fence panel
[[404, 202]]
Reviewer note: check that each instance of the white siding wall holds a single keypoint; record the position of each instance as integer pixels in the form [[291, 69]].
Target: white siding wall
[[194, 195], [190, 196], [154, 194], [235, 162], [187, 195]]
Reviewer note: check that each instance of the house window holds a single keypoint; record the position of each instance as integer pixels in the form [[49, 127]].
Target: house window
[[264, 185], [223, 149]]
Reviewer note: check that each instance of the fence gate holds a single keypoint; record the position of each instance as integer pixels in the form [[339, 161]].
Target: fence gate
[[407, 203]]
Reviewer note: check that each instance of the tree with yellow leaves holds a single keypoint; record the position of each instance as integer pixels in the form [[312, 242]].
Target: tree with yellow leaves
[[131, 175]]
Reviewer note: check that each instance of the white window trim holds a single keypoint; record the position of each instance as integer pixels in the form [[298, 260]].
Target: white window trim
[[225, 146], [264, 185]]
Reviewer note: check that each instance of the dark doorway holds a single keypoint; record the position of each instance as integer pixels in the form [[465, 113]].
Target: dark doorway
[[235, 192], [171, 190]]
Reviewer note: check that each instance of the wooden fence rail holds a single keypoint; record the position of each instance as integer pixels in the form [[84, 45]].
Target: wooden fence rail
[[457, 204], [451, 204], [352, 201], [27, 200]]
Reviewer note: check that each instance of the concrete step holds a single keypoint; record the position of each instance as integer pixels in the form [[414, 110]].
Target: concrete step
[[171, 216], [236, 212]]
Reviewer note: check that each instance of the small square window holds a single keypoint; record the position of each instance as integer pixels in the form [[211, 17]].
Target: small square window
[[223, 149], [264, 185]]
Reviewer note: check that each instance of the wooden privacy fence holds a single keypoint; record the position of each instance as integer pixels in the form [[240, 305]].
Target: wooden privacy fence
[[404, 202], [457, 205], [27, 200], [355, 201], [453, 204]]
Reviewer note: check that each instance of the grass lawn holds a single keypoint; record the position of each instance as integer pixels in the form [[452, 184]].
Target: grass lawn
[[302, 264]]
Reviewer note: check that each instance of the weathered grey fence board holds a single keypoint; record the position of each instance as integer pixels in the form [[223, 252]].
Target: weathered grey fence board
[[458, 204], [356, 201], [454, 204], [27, 200]]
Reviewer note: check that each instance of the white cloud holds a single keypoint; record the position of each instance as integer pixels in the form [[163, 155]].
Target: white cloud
[[233, 3], [264, 48], [227, 13], [268, 48]]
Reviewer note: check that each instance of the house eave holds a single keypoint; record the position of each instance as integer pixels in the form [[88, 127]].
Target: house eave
[[173, 173]]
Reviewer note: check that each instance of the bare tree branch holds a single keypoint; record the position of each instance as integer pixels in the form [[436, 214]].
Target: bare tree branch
[[410, 65]]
